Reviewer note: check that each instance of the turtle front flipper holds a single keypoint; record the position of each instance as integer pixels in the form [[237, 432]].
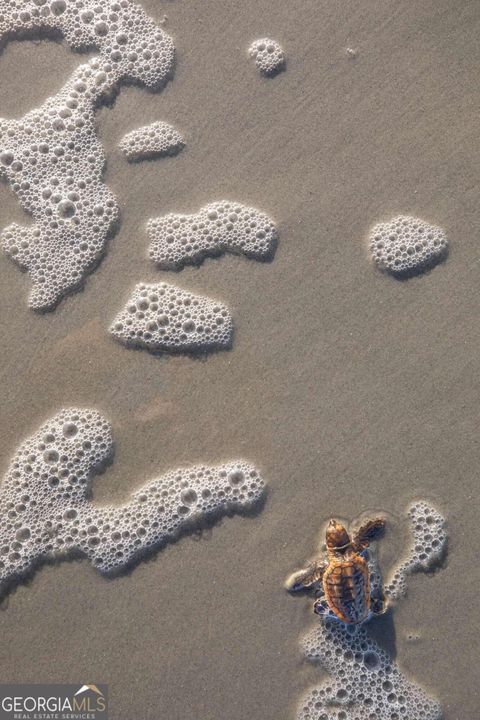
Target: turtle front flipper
[[369, 531], [306, 578]]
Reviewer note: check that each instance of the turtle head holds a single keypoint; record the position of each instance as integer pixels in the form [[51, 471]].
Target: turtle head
[[337, 537]]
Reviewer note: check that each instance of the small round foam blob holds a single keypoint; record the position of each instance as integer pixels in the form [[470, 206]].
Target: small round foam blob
[[219, 227], [52, 157], [46, 509], [164, 317], [365, 682], [407, 245], [427, 547], [268, 56], [155, 140]]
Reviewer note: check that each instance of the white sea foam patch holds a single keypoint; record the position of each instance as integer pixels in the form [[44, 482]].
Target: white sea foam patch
[[46, 511], [154, 140], [364, 681], [407, 245], [219, 227], [428, 544], [268, 56], [52, 157], [164, 317]]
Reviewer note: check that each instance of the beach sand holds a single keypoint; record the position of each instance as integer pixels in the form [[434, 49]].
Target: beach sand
[[351, 391]]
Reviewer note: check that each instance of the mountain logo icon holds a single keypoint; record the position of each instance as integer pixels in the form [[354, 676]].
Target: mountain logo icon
[[93, 688]]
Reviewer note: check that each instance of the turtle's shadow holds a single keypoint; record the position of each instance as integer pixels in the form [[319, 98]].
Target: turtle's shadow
[[382, 630]]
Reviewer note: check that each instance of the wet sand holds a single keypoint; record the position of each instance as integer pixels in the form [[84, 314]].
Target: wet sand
[[351, 391]]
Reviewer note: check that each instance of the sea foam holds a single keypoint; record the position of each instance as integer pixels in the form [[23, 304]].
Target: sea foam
[[407, 245], [46, 509], [164, 317], [427, 546], [219, 227], [364, 681], [52, 157], [268, 56], [150, 141]]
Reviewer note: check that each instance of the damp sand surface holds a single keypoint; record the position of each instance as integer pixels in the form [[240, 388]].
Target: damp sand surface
[[351, 391]]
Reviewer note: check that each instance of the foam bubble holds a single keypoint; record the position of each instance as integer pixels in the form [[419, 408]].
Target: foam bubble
[[222, 226], [268, 55], [47, 512], [154, 140], [428, 543], [164, 317], [52, 157], [364, 681], [407, 245]]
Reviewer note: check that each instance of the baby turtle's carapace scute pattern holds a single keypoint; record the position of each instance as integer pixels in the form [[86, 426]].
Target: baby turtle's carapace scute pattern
[[346, 584]]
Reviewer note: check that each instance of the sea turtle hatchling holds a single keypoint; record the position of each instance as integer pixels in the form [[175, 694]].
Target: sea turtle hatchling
[[350, 591]]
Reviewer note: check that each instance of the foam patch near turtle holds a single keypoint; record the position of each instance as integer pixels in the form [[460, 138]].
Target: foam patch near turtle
[[268, 56], [428, 544], [46, 508], [223, 226], [164, 317], [407, 245], [155, 140], [364, 681], [52, 157]]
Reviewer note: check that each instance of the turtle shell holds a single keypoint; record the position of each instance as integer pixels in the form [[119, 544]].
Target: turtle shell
[[346, 583]]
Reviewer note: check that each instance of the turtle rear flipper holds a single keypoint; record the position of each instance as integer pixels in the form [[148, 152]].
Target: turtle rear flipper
[[378, 601], [369, 531], [320, 607]]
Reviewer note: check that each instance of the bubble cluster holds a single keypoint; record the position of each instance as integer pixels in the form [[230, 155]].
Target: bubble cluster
[[429, 539], [46, 510], [164, 317], [364, 683], [219, 227], [154, 140], [52, 157], [407, 245], [268, 55]]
